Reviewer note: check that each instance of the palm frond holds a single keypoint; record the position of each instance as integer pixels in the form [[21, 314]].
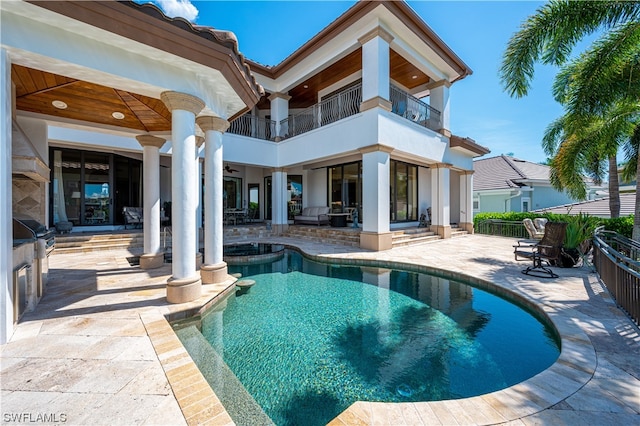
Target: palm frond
[[551, 33]]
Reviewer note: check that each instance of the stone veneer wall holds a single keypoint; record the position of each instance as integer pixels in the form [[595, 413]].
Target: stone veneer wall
[[28, 199]]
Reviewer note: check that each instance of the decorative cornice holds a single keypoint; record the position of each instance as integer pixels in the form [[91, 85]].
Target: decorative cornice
[[209, 122], [183, 101], [377, 102], [150, 140], [376, 32], [277, 95], [375, 148]]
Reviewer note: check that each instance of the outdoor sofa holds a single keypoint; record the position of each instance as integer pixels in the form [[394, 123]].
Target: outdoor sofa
[[313, 216]]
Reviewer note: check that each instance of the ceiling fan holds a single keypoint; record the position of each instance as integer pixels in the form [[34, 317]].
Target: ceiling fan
[[229, 169]]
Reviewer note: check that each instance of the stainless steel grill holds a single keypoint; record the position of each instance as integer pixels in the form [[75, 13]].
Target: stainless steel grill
[[28, 229]]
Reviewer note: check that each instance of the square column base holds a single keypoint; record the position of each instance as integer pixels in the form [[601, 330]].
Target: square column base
[[214, 274], [443, 230], [151, 260], [278, 229], [376, 241], [467, 227], [184, 289]]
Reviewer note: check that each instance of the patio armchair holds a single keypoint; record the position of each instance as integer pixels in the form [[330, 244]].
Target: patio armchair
[[132, 216], [548, 250]]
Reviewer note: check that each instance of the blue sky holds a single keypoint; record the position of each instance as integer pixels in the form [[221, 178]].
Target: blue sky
[[478, 31]]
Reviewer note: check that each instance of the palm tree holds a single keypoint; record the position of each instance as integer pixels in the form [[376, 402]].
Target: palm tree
[[594, 90]]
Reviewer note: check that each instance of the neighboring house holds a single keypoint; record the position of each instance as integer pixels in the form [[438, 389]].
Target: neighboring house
[[508, 184], [112, 101], [599, 207]]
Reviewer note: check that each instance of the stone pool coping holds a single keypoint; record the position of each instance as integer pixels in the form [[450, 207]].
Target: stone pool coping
[[572, 370], [99, 346]]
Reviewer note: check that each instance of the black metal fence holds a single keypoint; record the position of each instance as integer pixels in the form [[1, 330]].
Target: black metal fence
[[502, 228], [617, 260]]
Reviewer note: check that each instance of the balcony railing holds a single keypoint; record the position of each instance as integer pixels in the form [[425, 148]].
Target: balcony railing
[[412, 108], [255, 127], [330, 110], [617, 260]]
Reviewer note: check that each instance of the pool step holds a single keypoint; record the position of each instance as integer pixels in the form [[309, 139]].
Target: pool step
[[322, 234]]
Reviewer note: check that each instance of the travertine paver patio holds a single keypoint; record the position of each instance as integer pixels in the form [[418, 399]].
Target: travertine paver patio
[[98, 349]]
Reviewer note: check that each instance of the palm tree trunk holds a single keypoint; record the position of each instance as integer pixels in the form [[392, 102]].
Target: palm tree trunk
[[614, 187], [636, 218]]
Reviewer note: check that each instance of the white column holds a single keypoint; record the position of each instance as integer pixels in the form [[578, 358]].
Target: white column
[[185, 284], [280, 111], [198, 169], [6, 239], [375, 233], [153, 256], [440, 193], [214, 269], [279, 221], [375, 69], [439, 99], [466, 200]]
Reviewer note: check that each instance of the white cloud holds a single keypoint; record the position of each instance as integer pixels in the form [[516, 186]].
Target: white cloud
[[181, 8]]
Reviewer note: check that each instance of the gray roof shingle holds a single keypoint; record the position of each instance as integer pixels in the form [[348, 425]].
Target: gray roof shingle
[[505, 172]]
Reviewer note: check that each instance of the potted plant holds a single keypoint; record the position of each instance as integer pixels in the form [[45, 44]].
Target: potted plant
[[577, 242]]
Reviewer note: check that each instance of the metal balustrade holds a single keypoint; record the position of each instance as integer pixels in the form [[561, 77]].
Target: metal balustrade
[[255, 127], [330, 110], [502, 228], [412, 108], [341, 105], [617, 261]]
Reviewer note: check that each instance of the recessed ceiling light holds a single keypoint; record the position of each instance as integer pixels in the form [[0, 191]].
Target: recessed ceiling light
[[414, 77], [118, 115], [59, 104], [306, 86]]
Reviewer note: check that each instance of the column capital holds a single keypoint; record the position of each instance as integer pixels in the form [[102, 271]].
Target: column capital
[[442, 166], [277, 95], [183, 101], [439, 83], [376, 32], [150, 140], [209, 122], [199, 140], [376, 147]]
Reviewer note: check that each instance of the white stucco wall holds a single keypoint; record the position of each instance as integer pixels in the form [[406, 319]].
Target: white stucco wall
[[6, 237], [315, 192], [424, 190]]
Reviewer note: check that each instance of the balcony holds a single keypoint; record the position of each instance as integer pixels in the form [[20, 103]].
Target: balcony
[[254, 127], [412, 108], [341, 105]]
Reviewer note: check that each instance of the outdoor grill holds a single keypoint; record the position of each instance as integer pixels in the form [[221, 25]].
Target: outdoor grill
[[29, 229], [43, 240]]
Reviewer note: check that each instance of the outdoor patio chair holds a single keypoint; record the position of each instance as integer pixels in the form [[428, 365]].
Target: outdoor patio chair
[[425, 219], [534, 233], [548, 250], [539, 223]]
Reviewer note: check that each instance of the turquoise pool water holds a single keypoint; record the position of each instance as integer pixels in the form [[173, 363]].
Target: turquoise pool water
[[309, 339]]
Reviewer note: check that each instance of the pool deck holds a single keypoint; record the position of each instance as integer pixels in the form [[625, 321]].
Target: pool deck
[[99, 350]]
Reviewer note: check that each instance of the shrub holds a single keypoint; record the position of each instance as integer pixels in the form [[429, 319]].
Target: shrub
[[621, 225]]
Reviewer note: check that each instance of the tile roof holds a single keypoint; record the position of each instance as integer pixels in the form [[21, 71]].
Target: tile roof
[[599, 207], [505, 172]]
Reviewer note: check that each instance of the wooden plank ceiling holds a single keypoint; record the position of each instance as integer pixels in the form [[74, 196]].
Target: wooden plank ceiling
[[37, 91], [305, 94]]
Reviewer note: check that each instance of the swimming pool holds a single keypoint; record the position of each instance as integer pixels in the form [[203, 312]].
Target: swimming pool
[[309, 339]]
